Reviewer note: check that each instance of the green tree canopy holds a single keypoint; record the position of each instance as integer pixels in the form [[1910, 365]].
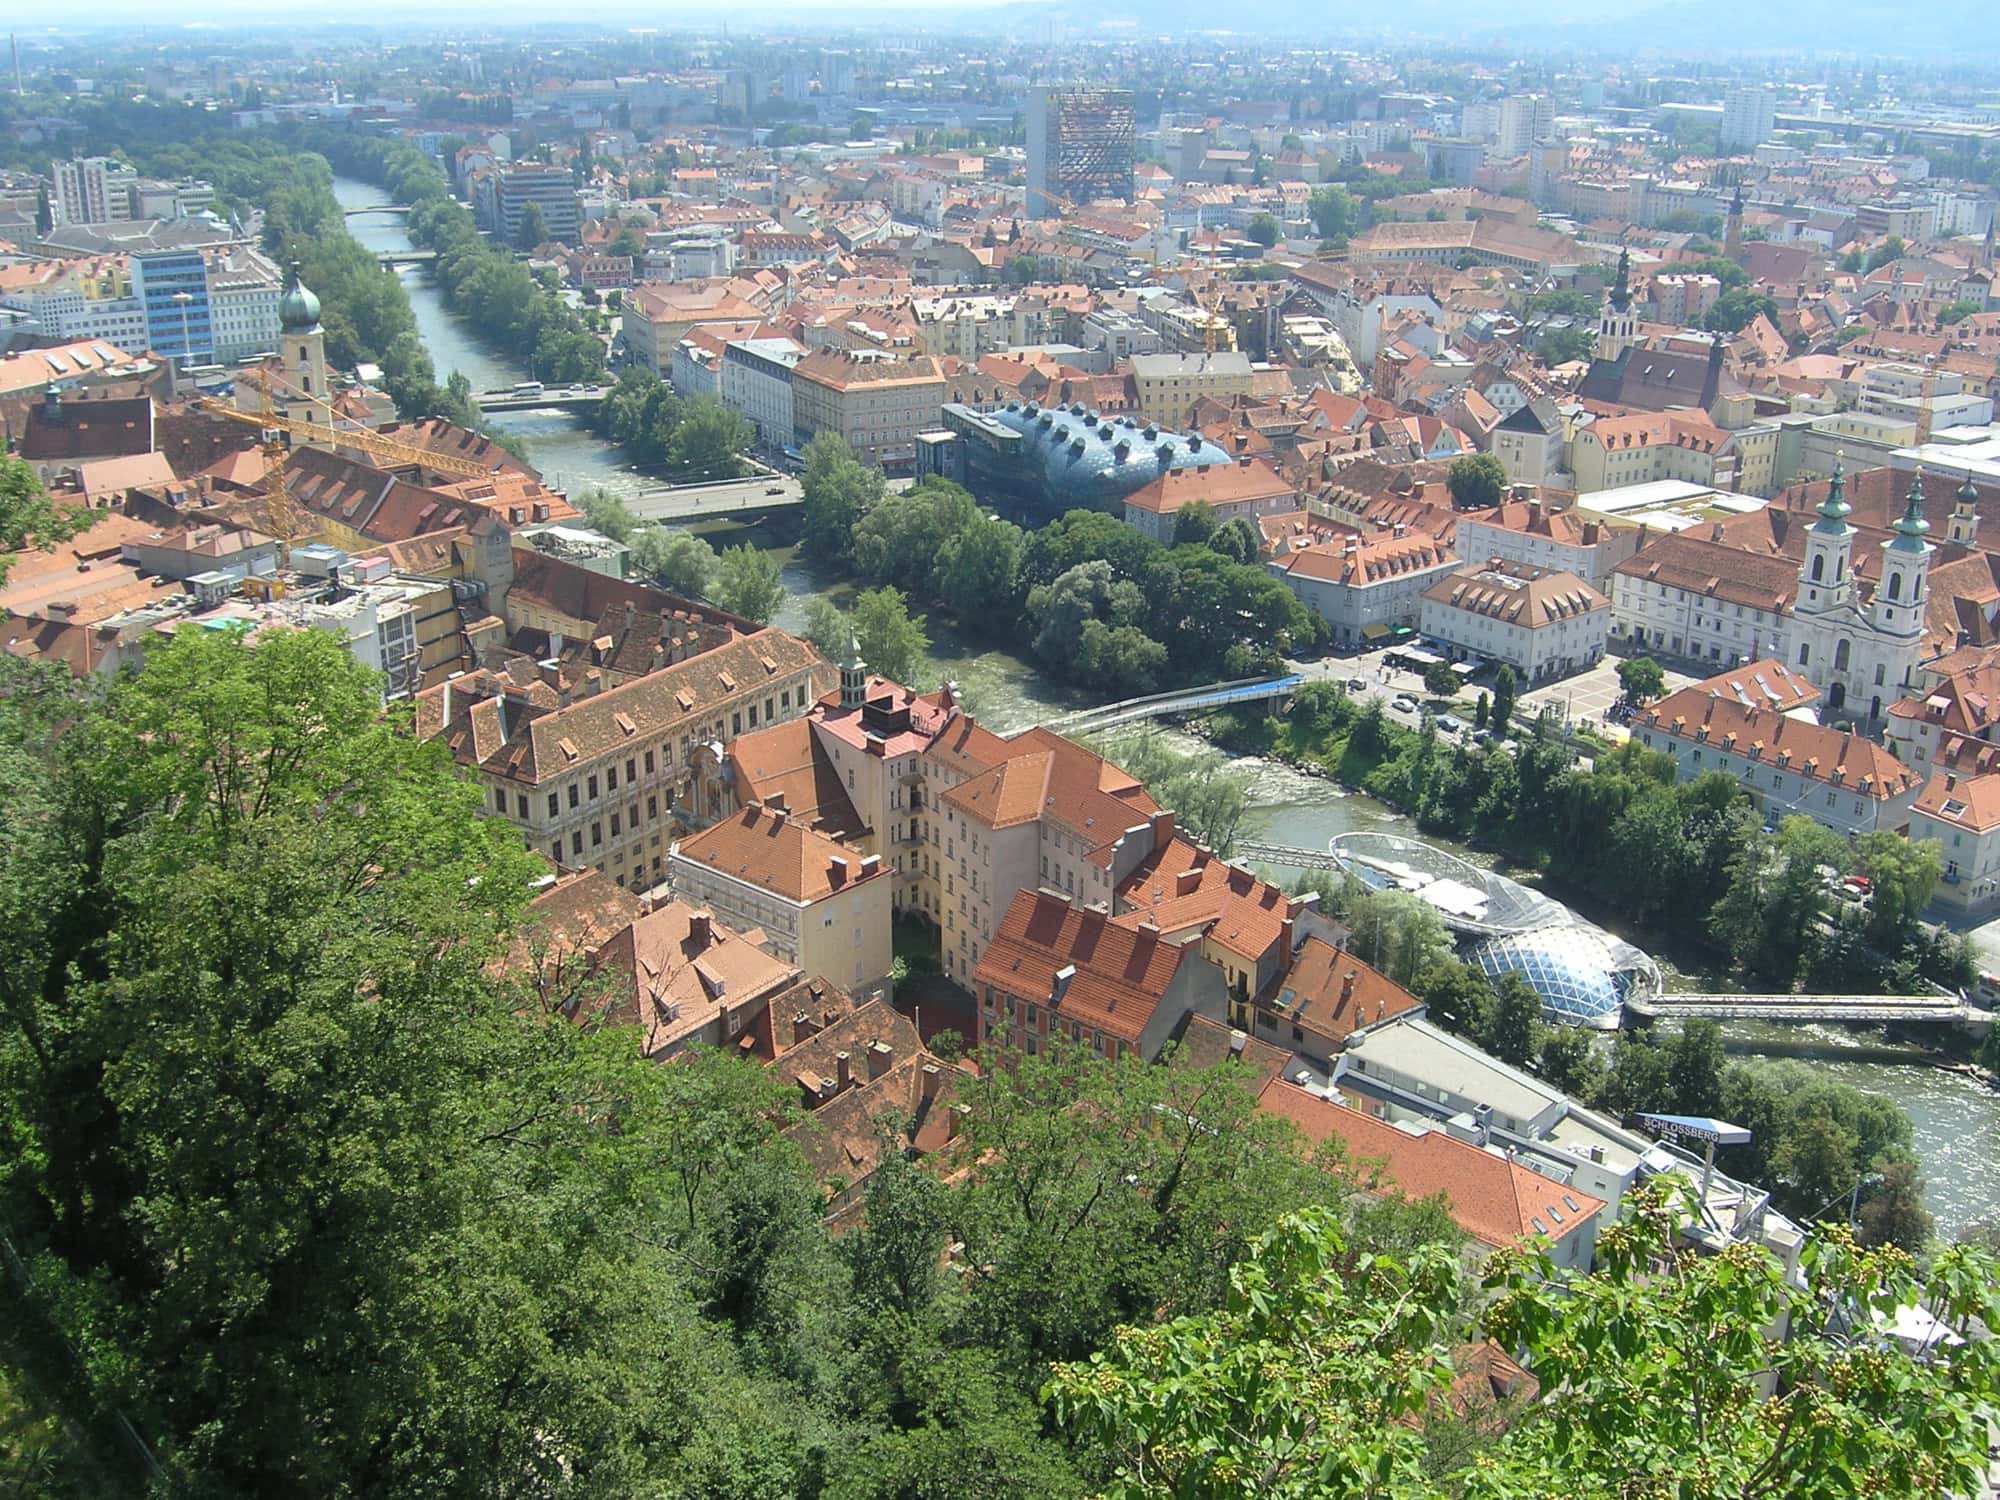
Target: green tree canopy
[[747, 583], [1476, 482], [1641, 679], [677, 560]]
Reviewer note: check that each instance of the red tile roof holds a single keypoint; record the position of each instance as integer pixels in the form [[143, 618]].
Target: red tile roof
[[1493, 1200], [1121, 973]]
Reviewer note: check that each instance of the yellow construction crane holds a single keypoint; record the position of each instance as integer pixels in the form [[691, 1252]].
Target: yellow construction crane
[[271, 425]]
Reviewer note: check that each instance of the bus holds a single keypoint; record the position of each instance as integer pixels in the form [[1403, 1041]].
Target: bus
[[528, 388]]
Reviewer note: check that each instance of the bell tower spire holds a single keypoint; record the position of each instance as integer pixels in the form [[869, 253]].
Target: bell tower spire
[[1963, 529], [1906, 564], [1826, 581], [1617, 325]]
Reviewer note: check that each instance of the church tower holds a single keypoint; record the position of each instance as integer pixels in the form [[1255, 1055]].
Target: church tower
[[1898, 605], [853, 676], [1618, 325], [1964, 528], [1732, 240], [1825, 578], [303, 389]]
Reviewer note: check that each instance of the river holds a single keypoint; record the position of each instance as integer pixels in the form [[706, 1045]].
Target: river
[[1957, 1122]]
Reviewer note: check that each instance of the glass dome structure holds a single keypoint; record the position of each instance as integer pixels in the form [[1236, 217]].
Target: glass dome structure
[[1085, 458], [1583, 974]]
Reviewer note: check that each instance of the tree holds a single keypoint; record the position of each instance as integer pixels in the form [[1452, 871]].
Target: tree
[[28, 517], [1311, 1381], [978, 574], [893, 643], [532, 231], [1476, 482], [1560, 346], [628, 241], [1891, 249], [1195, 522], [1734, 309], [1333, 212], [1893, 1211], [1953, 313], [1569, 1059], [826, 625], [677, 560], [1263, 230], [1903, 875], [607, 513], [1439, 679], [1694, 1068], [838, 490], [1641, 679], [708, 441], [1503, 699], [1512, 1026], [747, 583]]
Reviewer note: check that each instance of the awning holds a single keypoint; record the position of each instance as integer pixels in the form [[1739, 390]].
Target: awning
[[1373, 632]]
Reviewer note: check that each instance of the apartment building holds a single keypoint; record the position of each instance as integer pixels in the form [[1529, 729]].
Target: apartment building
[[878, 404], [1169, 385], [1652, 446], [603, 779], [754, 379], [1538, 533], [502, 197], [1544, 625], [91, 190], [1244, 490], [1963, 814], [682, 978], [819, 904], [1056, 974], [1365, 589], [1787, 765]]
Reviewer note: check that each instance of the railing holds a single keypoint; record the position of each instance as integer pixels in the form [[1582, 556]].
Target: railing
[[1802, 1007]]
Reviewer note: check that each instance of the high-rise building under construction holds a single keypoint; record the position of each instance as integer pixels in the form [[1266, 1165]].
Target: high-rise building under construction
[[1081, 147]]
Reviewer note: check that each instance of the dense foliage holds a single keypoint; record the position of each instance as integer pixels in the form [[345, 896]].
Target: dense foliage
[[1102, 604], [1319, 1375], [691, 441]]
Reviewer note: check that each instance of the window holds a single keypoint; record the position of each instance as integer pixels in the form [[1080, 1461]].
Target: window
[[521, 806], [649, 763], [614, 825], [572, 794], [632, 769], [596, 834], [576, 842], [736, 724], [652, 808], [554, 806], [610, 780], [500, 800], [593, 789]]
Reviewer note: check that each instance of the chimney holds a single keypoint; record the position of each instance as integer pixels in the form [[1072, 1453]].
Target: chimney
[[700, 934], [1347, 985], [1285, 940], [1059, 985], [880, 1055], [836, 871], [930, 1074], [870, 863], [775, 803], [1163, 828], [843, 1070]]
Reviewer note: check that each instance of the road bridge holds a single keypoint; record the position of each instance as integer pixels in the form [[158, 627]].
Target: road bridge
[[376, 208], [1181, 701], [390, 259], [1801, 1008], [488, 401], [756, 493]]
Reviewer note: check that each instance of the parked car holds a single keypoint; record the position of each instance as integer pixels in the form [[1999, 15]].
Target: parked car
[[1404, 705], [1449, 723], [1356, 685]]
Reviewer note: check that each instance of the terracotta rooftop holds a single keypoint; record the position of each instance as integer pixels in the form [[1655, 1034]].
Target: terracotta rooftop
[[1968, 802], [1492, 1199], [1181, 886], [680, 969], [1833, 757], [1332, 993], [779, 853], [1516, 595], [1119, 973]]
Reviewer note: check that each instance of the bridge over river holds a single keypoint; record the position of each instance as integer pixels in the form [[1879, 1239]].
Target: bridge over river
[[1182, 701]]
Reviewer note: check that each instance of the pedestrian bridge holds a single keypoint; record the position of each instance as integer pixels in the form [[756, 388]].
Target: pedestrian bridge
[[1290, 857], [390, 259], [1182, 701], [375, 208], [1802, 1008]]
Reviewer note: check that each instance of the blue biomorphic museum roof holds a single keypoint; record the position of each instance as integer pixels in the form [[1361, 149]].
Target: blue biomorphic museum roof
[[1086, 458]]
